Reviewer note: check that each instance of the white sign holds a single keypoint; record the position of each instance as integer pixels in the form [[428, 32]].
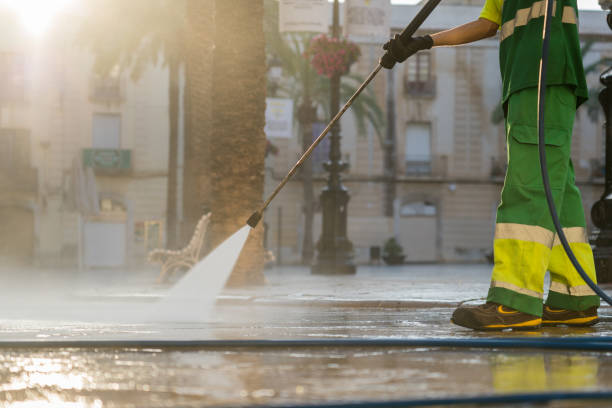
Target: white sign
[[279, 117], [304, 15], [367, 20]]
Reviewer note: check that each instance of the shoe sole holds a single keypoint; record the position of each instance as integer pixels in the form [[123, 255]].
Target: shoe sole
[[577, 322], [528, 325]]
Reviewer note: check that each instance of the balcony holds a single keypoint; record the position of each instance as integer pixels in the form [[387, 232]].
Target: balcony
[[415, 166], [420, 89], [106, 90], [426, 166], [108, 161]]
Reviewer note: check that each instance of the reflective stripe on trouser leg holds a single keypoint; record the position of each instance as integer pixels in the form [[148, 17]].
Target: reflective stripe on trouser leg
[[524, 231], [567, 289]]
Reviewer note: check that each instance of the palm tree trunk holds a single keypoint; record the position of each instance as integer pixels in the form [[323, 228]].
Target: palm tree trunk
[[198, 111], [173, 112], [227, 108]]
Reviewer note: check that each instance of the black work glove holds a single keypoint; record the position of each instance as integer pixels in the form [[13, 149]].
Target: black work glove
[[398, 51]]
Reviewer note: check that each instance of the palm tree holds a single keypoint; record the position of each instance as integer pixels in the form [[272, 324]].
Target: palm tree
[[310, 92], [143, 31], [221, 45], [224, 163]]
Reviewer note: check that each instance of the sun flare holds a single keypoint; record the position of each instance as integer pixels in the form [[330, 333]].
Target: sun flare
[[36, 15]]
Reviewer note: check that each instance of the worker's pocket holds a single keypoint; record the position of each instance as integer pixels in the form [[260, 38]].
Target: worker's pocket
[[529, 135], [524, 159]]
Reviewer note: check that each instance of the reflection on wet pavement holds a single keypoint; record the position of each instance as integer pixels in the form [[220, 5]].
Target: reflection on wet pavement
[[192, 378], [329, 309], [154, 377]]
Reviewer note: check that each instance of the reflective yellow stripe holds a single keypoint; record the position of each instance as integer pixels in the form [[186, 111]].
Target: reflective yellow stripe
[[515, 288], [582, 290], [521, 232], [524, 16], [577, 320], [534, 322], [520, 266], [569, 15], [563, 273], [573, 235]]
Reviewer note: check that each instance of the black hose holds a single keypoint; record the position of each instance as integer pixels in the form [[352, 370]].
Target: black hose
[[595, 344], [541, 397], [542, 152]]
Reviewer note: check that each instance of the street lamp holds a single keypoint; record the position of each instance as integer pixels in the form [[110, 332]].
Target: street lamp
[[335, 250], [601, 212]]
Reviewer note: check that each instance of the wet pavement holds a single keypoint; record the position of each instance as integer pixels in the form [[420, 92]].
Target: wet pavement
[[379, 302]]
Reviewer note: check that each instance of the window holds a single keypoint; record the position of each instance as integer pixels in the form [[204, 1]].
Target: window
[[12, 77], [418, 148], [106, 131], [418, 79]]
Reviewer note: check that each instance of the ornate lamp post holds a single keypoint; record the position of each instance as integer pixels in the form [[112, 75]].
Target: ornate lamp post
[[335, 250], [601, 212]]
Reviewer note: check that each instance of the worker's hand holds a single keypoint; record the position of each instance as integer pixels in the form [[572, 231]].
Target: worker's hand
[[398, 51]]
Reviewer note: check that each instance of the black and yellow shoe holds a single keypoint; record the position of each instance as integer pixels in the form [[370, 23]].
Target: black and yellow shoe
[[555, 317], [493, 316]]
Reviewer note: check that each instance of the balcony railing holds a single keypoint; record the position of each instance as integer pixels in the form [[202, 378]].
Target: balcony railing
[[425, 165], [415, 166], [106, 90], [108, 161], [425, 88]]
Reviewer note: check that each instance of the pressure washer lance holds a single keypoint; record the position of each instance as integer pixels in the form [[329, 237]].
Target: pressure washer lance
[[405, 36]]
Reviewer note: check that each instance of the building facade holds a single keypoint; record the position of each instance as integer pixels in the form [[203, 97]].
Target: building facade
[[83, 157], [449, 152]]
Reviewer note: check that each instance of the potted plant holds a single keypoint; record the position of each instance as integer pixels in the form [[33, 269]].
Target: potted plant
[[393, 254], [331, 56]]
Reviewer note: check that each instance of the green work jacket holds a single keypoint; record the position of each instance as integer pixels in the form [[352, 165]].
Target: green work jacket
[[521, 47]]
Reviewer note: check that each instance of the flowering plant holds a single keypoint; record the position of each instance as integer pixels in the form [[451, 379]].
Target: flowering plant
[[331, 56]]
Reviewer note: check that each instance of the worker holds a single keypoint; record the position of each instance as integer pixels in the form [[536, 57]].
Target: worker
[[525, 243]]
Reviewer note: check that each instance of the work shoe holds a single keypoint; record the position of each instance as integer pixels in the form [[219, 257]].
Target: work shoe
[[493, 316], [554, 317]]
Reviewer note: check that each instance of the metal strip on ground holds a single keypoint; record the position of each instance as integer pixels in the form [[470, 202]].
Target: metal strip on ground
[[600, 344]]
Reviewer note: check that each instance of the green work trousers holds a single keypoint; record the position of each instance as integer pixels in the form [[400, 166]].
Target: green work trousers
[[525, 243]]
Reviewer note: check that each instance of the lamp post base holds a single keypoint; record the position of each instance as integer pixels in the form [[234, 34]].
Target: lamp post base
[[333, 268], [602, 252], [335, 251]]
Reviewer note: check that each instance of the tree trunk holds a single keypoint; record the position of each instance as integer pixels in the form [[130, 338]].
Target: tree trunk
[[227, 109], [198, 111], [173, 112]]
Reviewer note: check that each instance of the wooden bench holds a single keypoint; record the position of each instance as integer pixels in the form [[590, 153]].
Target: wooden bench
[[182, 259]]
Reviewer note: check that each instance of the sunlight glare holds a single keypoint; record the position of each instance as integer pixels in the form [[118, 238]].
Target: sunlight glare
[[36, 15]]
